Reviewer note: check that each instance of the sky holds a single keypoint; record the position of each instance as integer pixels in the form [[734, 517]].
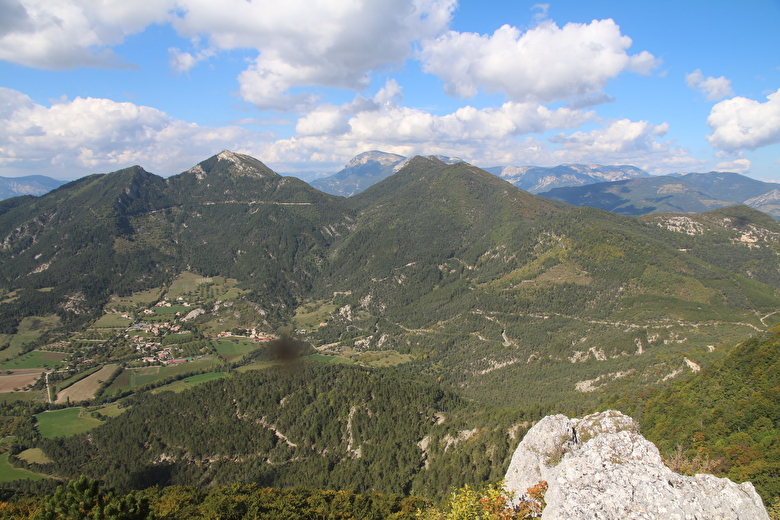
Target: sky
[[93, 86]]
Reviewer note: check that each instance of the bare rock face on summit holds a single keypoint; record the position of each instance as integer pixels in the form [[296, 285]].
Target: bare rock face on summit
[[601, 467]]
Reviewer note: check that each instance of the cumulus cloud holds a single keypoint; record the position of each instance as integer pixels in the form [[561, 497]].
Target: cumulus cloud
[[300, 43], [72, 33], [624, 142], [737, 165], [87, 135], [328, 44], [181, 62], [742, 123], [713, 88], [73, 138], [544, 64]]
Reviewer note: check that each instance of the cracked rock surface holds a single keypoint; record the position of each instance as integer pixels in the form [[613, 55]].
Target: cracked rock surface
[[600, 467]]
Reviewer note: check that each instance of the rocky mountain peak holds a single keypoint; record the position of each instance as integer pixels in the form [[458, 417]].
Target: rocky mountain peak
[[383, 158], [601, 467]]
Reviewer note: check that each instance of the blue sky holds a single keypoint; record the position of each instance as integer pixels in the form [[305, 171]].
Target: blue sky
[[305, 85]]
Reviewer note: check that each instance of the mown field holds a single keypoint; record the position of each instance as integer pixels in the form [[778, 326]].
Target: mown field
[[9, 473], [112, 320], [29, 329], [190, 382], [64, 423], [234, 349], [135, 377], [35, 359], [85, 388]]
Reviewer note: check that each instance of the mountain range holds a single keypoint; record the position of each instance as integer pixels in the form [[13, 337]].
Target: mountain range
[[478, 281], [29, 185], [689, 193], [490, 300], [540, 178]]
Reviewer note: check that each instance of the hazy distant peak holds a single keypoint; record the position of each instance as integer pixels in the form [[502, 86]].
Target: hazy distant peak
[[383, 158], [772, 197], [446, 159]]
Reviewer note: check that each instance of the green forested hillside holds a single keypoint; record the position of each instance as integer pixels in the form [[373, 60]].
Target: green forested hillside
[[307, 424], [727, 415], [487, 285], [495, 307], [131, 230]]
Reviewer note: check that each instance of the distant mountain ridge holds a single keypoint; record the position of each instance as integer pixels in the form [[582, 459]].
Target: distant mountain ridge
[[688, 193], [537, 179], [363, 171], [29, 185]]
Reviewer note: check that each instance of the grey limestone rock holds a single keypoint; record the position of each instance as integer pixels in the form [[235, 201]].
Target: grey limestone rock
[[601, 467]]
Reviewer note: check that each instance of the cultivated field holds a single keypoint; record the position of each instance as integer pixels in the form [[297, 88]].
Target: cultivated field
[[232, 350], [112, 320], [86, 388], [9, 473], [64, 423], [34, 456], [37, 359], [186, 384], [18, 379]]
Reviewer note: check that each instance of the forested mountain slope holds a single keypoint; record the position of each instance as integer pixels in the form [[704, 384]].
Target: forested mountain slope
[[131, 230], [306, 424], [480, 284], [727, 415]]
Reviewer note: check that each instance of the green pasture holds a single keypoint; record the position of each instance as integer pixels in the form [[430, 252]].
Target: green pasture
[[309, 315], [30, 329], [64, 423], [9, 473], [34, 359], [135, 377], [112, 321], [173, 309], [234, 349], [190, 382]]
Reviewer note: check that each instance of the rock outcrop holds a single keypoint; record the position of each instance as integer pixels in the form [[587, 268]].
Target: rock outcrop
[[601, 467]]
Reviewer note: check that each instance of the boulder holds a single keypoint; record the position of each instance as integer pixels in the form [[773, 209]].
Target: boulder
[[601, 467]]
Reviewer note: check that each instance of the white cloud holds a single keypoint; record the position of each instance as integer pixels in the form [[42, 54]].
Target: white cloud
[[741, 123], [624, 142], [73, 138], [713, 88], [544, 64], [300, 43], [181, 62], [86, 135], [303, 43], [737, 165], [541, 9], [65, 34]]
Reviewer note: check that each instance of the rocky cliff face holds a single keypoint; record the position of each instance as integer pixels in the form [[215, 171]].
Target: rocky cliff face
[[601, 467]]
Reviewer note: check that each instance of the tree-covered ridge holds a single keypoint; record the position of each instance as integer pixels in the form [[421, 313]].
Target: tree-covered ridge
[[474, 281], [84, 498], [131, 230], [727, 416], [560, 296], [737, 239], [308, 424]]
